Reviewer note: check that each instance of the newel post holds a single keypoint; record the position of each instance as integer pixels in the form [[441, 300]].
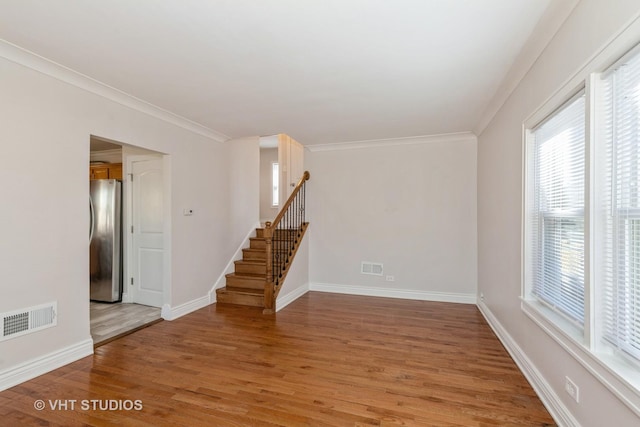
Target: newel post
[[269, 303]]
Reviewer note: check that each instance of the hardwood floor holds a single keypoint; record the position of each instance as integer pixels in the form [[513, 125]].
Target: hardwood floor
[[112, 321], [326, 359]]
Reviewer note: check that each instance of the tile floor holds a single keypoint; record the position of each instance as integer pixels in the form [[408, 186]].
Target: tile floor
[[110, 321]]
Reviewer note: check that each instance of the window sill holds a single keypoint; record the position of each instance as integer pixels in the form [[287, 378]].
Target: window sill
[[547, 319], [616, 373]]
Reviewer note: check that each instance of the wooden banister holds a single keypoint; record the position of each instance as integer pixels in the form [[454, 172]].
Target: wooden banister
[[294, 193], [282, 238]]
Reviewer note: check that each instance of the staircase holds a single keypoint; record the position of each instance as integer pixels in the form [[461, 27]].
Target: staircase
[[246, 285], [259, 275]]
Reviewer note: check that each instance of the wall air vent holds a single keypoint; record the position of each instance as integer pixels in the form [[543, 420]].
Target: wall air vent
[[373, 268], [20, 322]]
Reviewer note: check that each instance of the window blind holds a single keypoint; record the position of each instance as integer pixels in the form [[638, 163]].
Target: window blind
[[558, 210], [621, 287]]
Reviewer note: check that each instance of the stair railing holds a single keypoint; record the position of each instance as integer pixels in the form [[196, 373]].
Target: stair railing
[[282, 237]]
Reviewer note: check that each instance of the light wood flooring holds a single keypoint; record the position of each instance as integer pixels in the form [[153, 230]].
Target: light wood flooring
[[111, 321], [325, 360]]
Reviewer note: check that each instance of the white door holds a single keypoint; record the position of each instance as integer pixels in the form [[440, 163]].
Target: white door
[[147, 269], [283, 166], [296, 163], [291, 161]]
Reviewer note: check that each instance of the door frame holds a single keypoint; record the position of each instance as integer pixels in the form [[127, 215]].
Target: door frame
[[288, 180], [128, 295]]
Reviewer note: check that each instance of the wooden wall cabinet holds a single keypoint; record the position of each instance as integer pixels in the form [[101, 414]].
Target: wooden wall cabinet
[[105, 171]]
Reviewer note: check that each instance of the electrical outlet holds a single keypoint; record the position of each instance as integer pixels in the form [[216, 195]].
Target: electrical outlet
[[390, 279], [481, 296], [572, 389]]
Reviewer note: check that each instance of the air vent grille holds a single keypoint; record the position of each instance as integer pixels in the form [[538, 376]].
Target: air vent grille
[[373, 268], [20, 322], [15, 324]]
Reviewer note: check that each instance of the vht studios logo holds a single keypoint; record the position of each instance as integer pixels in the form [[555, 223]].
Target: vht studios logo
[[88, 405]]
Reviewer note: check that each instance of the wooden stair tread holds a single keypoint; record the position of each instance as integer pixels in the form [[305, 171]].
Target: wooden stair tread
[[251, 261], [261, 251], [248, 276], [248, 291], [251, 267], [240, 296], [246, 285]]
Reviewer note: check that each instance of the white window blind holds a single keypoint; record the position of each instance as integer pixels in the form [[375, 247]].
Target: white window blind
[[557, 228], [621, 305]]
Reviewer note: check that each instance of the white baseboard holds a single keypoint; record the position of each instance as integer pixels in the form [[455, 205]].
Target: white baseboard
[[287, 299], [395, 293], [172, 313], [230, 268], [548, 396], [47, 363]]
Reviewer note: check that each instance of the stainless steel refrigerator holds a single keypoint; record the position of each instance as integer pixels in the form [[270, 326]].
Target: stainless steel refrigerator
[[105, 237]]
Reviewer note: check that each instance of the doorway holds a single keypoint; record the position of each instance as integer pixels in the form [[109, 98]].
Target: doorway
[[281, 166], [143, 236], [269, 182]]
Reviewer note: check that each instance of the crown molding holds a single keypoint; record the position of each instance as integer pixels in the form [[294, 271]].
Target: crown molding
[[391, 142], [546, 29], [47, 67]]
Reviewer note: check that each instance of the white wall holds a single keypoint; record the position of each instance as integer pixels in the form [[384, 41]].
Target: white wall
[[590, 27], [244, 186], [44, 256], [411, 207], [268, 156]]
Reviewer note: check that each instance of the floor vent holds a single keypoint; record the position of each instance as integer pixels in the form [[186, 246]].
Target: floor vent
[[373, 268], [20, 322]]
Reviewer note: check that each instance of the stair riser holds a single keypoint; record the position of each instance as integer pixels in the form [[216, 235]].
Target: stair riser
[[240, 299], [240, 282], [254, 255], [242, 268], [257, 244]]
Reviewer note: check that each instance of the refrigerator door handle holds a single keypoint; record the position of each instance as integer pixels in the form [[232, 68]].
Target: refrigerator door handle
[[91, 219]]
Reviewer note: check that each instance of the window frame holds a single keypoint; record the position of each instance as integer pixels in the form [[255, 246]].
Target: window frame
[[613, 215], [616, 370], [536, 241]]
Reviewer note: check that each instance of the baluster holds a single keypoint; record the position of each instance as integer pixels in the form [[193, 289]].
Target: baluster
[[287, 216], [282, 238], [289, 233], [295, 220], [268, 291], [280, 260], [299, 211]]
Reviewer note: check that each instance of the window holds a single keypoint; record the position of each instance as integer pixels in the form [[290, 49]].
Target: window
[[557, 220], [275, 184], [581, 248], [621, 237]]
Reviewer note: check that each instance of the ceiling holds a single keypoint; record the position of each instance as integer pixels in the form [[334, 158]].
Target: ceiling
[[322, 71]]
